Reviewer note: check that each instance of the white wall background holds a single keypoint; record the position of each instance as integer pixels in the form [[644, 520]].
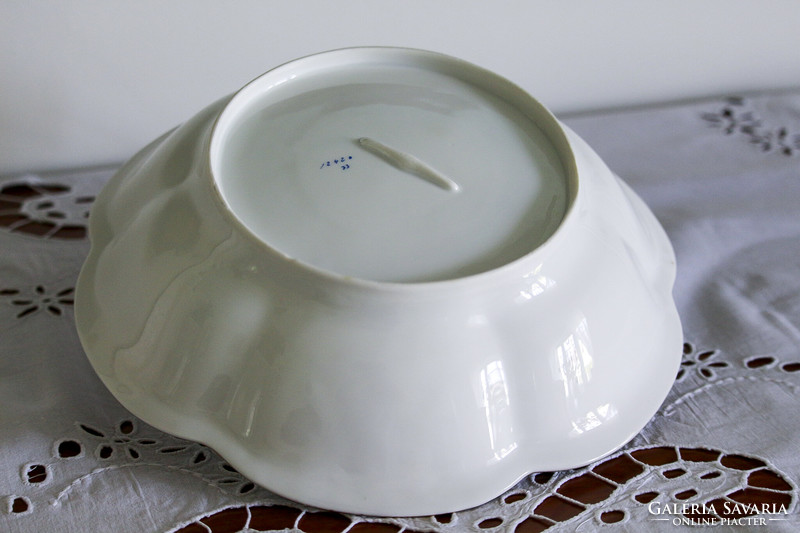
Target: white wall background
[[90, 82]]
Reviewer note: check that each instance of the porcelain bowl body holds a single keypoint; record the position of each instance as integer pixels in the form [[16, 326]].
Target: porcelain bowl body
[[368, 397]]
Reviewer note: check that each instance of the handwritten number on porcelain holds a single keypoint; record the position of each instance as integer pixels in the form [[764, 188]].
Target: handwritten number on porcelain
[[341, 162]]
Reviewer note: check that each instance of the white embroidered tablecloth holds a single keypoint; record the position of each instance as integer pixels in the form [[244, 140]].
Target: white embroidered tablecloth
[[723, 177]]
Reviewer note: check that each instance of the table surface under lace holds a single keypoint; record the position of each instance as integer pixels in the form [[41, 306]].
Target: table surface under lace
[[723, 177]]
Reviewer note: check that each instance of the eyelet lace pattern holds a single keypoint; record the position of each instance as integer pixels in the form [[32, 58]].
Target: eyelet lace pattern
[[722, 177]]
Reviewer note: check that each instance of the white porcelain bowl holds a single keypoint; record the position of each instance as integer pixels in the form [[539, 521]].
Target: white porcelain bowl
[[376, 397]]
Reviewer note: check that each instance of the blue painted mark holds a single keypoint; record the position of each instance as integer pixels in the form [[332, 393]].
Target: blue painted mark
[[340, 162]]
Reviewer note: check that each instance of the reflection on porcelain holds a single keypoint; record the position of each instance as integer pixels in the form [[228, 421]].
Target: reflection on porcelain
[[498, 414], [419, 385]]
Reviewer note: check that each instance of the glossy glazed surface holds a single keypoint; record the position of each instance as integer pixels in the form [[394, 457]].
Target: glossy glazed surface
[[306, 380], [323, 160]]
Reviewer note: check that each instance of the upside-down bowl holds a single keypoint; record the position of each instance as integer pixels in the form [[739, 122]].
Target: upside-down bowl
[[343, 390]]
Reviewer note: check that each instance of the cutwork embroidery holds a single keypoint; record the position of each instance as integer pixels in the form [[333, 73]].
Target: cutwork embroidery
[[703, 362], [124, 444], [707, 365], [614, 490], [737, 117], [122, 448], [38, 298], [46, 210]]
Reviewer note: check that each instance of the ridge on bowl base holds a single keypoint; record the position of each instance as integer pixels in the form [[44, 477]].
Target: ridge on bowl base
[[448, 370]]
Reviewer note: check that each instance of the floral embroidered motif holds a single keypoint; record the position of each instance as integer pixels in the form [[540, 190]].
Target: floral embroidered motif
[[727, 484], [60, 470], [737, 117], [600, 492], [702, 362], [122, 441], [45, 210], [236, 481], [706, 369], [125, 447], [39, 299], [123, 444]]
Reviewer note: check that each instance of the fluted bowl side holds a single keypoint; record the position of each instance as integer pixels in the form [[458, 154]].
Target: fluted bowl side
[[375, 398]]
